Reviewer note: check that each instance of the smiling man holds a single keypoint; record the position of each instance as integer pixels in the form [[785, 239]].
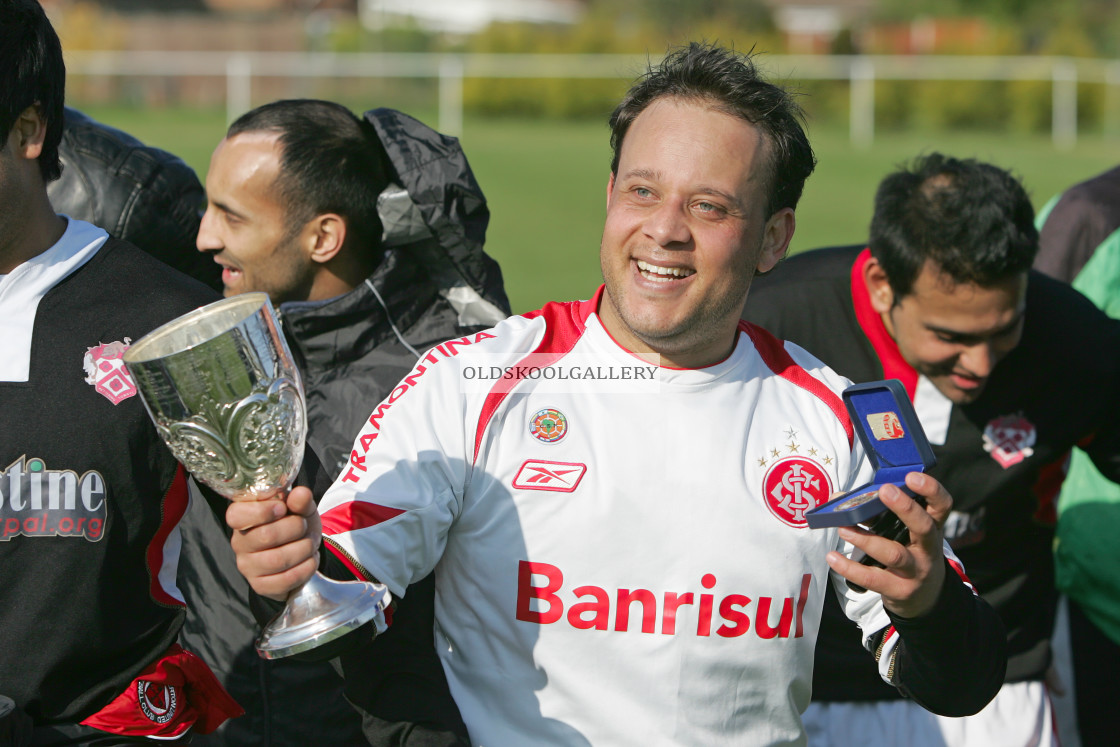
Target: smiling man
[[367, 234], [292, 202], [632, 565], [1008, 370], [682, 224]]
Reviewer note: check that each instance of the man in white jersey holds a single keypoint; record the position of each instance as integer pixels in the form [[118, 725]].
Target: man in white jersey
[[612, 492]]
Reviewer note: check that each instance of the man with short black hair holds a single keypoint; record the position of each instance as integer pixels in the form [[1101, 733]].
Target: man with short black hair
[[1007, 369], [291, 185], [90, 498], [617, 564], [367, 234]]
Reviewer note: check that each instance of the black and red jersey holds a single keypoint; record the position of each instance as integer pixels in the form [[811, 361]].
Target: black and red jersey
[[1001, 457], [89, 495]]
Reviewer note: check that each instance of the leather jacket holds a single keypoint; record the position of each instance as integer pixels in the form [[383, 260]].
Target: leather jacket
[[138, 193]]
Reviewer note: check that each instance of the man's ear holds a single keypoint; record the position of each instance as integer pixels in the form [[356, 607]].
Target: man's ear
[[30, 129], [878, 286], [610, 189], [325, 236], [775, 239]]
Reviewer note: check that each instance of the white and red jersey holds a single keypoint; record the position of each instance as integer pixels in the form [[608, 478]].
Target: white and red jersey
[[611, 568]]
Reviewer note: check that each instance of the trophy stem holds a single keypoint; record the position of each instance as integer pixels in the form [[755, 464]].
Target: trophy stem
[[321, 610]]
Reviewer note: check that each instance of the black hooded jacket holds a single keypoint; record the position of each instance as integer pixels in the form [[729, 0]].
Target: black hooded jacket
[[433, 283]]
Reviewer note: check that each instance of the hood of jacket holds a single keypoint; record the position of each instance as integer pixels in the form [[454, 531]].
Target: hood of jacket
[[435, 211], [433, 283]]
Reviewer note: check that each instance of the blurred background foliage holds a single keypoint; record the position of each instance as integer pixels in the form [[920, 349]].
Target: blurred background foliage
[[1076, 28], [540, 147]]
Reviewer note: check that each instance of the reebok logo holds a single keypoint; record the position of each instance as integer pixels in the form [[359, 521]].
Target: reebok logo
[[559, 477]]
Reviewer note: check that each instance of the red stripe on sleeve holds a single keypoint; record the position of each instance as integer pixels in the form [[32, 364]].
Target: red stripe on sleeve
[[960, 572], [354, 515], [175, 502], [894, 365], [777, 358], [1047, 487]]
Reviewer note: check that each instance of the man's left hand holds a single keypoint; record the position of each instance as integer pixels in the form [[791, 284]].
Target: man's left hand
[[913, 572]]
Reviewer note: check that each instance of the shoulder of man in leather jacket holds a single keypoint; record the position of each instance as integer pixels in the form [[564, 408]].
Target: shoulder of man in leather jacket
[[144, 195]]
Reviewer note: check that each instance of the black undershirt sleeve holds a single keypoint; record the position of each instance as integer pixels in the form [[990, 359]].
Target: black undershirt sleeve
[[952, 660], [403, 698]]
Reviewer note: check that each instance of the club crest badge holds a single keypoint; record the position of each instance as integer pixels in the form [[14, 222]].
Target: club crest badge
[[107, 373], [158, 701], [794, 485], [1010, 439], [548, 425]]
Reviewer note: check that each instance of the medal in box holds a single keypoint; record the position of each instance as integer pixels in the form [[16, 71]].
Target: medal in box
[[895, 443]]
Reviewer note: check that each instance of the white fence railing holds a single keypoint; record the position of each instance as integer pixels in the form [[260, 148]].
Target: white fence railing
[[861, 71]]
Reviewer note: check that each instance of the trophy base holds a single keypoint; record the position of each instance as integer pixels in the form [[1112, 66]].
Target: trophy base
[[320, 611]]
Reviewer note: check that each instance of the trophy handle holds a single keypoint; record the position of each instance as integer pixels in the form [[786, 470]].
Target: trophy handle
[[320, 611]]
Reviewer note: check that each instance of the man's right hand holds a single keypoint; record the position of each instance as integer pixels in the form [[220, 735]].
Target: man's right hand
[[276, 541]]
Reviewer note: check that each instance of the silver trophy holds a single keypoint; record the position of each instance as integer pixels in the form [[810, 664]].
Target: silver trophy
[[220, 384]]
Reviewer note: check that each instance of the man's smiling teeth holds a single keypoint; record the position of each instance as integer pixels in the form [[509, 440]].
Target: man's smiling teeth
[[663, 274]]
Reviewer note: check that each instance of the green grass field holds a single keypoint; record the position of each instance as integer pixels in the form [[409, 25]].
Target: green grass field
[[546, 183]]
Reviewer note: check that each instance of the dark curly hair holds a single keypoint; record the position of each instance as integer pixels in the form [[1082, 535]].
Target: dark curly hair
[[729, 81], [972, 219], [32, 73]]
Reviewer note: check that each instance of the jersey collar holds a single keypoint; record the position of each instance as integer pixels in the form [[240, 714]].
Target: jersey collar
[[894, 366]]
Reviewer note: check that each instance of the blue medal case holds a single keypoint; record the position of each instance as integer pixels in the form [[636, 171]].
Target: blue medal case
[[887, 426]]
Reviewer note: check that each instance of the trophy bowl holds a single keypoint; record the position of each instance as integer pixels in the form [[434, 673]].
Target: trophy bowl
[[223, 391]]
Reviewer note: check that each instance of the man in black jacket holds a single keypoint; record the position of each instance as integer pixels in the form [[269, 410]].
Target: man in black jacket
[[367, 234], [1008, 369]]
